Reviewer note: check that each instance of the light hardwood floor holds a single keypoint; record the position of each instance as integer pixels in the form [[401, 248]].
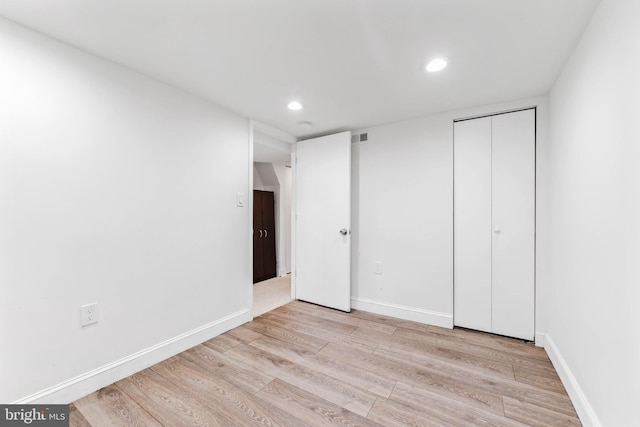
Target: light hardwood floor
[[307, 365]]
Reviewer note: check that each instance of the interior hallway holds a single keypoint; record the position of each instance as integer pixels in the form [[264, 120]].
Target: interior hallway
[[270, 294]]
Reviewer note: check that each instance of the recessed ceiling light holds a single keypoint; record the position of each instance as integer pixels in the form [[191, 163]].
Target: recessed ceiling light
[[436, 64], [305, 125], [295, 106]]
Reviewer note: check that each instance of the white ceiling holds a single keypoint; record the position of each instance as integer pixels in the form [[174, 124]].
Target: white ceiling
[[352, 63]]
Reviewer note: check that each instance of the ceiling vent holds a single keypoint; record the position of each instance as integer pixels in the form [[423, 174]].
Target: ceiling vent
[[359, 137]]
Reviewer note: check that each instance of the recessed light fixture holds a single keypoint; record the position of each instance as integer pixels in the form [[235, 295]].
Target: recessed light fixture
[[437, 64], [305, 125], [294, 105]]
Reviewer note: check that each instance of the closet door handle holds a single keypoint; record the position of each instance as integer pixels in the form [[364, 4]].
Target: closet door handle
[[261, 234], [265, 233]]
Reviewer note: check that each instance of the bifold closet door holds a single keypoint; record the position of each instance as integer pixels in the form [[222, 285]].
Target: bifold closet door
[[494, 224], [472, 224], [513, 245]]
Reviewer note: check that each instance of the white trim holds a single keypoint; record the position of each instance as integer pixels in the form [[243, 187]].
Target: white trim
[[497, 113], [539, 339], [435, 318], [249, 205], [294, 218], [584, 409], [271, 131], [250, 213], [75, 388]]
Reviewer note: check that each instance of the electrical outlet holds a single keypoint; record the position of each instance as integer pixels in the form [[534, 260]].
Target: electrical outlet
[[378, 268], [89, 314]]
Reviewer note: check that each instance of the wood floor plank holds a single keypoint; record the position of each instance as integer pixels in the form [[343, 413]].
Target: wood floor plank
[[429, 376], [536, 416], [223, 367], [394, 414], [494, 342], [273, 330], [450, 410], [244, 334], [338, 316], [546, 380], [361, 378], [478, 382], [370, 335], [310, 410], [485, 339], [469, 348], [76, 419], [326, 387], [310, 319], [172, 406], [442, 384], [389, 321], [222, 342], [443, 353], [221, 396], [432, 355], [319, 332], [110, 406]]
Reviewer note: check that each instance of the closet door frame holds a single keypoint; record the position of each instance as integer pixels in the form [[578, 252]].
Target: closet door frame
[[461, 322]]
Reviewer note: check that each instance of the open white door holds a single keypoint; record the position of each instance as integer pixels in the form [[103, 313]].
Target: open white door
[[323, 221]]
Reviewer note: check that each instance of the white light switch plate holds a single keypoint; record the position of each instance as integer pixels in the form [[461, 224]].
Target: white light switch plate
[[240, 200]]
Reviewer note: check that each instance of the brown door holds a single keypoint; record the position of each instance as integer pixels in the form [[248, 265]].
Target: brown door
[[264, 236], [258, 243]]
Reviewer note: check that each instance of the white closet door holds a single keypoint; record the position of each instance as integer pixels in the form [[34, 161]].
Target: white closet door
[[513, 200], [472, 224]]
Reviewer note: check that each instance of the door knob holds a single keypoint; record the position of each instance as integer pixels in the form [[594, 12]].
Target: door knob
[[496, 230], [344, 231]]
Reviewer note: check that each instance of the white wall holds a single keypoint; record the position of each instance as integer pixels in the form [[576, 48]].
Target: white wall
[[402, 203], [114, 189], [268, 148], [284, 218], [277, 179], [594, 309], [257, 180]]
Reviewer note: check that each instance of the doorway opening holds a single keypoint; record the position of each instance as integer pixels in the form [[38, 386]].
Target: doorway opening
[[272, 195]]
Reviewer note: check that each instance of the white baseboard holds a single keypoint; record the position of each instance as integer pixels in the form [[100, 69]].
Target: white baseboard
[[443, 320], [75, 388], [283, 271], [539, 339], [584, 409]]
